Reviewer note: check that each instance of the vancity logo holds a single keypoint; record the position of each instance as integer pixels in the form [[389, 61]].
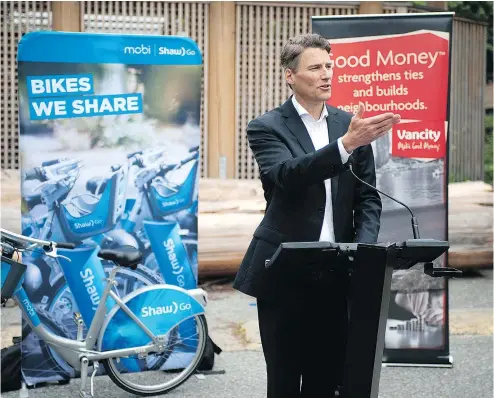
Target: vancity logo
[[149, 50]]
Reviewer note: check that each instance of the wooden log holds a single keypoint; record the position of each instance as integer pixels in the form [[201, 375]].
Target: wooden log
[[223, 241], [230, 210], [472, 257]]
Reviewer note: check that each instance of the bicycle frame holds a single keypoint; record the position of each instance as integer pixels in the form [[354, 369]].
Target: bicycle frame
[[73, 351], [86, 271]]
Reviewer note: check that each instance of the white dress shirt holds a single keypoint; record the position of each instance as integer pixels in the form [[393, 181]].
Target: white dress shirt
[[318, 131]]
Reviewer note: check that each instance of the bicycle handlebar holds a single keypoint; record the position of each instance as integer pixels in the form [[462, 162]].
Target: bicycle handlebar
[[44, 172], [130, 155], [33, 174], [47, 245], [65, 245], [168, 167], [52, 162]]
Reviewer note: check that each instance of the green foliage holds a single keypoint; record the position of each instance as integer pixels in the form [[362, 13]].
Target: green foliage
[[488, 150], [479, 11], [476, 10]]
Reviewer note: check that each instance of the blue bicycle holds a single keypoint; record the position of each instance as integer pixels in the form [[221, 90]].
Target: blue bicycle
[[87, 220], [125, 331], [163, 216], [158, 215]]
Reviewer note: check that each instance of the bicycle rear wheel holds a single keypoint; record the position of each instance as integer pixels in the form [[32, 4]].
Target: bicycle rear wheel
[[180, 364]]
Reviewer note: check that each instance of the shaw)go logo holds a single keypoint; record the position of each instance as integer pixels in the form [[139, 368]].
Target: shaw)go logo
[[175, 51], [146, 50], [172, 308]]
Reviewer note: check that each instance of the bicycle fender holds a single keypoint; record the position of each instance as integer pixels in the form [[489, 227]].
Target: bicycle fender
[[159, 307]]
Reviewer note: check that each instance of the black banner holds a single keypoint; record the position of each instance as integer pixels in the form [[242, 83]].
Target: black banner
[[401, 63]]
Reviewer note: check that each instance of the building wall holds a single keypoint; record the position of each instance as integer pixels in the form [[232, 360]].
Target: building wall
[[241, 77]]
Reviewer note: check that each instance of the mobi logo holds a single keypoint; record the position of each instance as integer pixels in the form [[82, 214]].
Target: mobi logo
[[138, 50], [29, 308], [175, 51], [172, 308]]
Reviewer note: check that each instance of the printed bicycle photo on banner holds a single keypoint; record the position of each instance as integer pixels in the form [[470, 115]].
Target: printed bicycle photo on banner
[[109, 158]]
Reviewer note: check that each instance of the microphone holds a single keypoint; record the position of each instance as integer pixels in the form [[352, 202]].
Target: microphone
[[415, 224]]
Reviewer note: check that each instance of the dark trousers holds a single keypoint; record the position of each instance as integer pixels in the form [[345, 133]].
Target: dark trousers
[[304, 342]]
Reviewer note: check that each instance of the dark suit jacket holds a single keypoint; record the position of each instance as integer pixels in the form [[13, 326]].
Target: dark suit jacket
[[292, 175]]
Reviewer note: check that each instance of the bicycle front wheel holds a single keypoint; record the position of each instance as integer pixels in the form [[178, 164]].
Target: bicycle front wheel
[[183, 356]]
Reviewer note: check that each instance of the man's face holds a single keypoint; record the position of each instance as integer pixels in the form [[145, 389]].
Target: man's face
[[312, 81]]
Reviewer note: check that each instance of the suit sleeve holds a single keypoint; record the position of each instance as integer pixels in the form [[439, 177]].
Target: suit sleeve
[[289, 173], [368, 205]]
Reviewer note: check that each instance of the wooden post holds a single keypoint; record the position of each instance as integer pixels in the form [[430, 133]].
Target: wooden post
[[221, 92], [371, 7], [66, 16]]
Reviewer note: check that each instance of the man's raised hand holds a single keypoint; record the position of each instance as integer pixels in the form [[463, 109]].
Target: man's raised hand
[[363, 131]]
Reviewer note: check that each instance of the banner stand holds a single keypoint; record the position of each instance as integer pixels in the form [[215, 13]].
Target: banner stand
[[109, 142], [401, 63]]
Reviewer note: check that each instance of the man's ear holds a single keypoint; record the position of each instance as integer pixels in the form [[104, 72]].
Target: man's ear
[[288, 76]]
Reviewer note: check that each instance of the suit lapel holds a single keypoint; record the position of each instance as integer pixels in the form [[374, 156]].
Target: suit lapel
[[296, 126], [334, 132]]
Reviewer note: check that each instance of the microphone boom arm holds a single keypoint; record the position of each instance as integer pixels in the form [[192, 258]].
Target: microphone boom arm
[[415, 224]]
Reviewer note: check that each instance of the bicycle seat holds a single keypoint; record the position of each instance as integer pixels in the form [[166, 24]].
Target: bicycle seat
[[82, 205], [33, 200], [96, 183], [126, 256], [165, 189]]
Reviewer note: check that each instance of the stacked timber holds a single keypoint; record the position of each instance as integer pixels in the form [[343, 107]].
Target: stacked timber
[[470, 224], [230, 211]]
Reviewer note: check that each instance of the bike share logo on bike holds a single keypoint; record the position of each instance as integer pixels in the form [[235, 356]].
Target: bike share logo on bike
[[29, 308], [172, 203], [173, 308], [172, 256], [88, 279], [87, 224]]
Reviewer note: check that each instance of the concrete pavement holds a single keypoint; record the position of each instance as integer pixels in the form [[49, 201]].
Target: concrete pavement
[[232, 319]]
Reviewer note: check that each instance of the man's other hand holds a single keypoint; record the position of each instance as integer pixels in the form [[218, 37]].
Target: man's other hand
[[363, 131]]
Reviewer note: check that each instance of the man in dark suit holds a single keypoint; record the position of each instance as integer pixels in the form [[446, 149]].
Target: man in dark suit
[[301, 149]]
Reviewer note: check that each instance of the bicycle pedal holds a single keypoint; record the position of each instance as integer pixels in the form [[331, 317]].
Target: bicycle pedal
[[80, 324], [78, 318]]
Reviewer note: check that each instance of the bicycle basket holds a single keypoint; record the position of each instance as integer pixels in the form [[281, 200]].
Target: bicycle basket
[[12, 277]]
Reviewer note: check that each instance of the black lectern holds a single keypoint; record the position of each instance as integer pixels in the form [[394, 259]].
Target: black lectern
[[371, 267]]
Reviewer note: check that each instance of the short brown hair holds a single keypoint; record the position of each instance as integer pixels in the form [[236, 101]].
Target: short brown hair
[[296, 45]]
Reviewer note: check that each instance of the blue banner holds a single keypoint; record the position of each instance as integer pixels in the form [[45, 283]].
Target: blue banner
[[109, 136], [103, 48]]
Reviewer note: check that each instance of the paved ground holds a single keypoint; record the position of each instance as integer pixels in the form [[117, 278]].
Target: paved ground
[[232, 318]]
